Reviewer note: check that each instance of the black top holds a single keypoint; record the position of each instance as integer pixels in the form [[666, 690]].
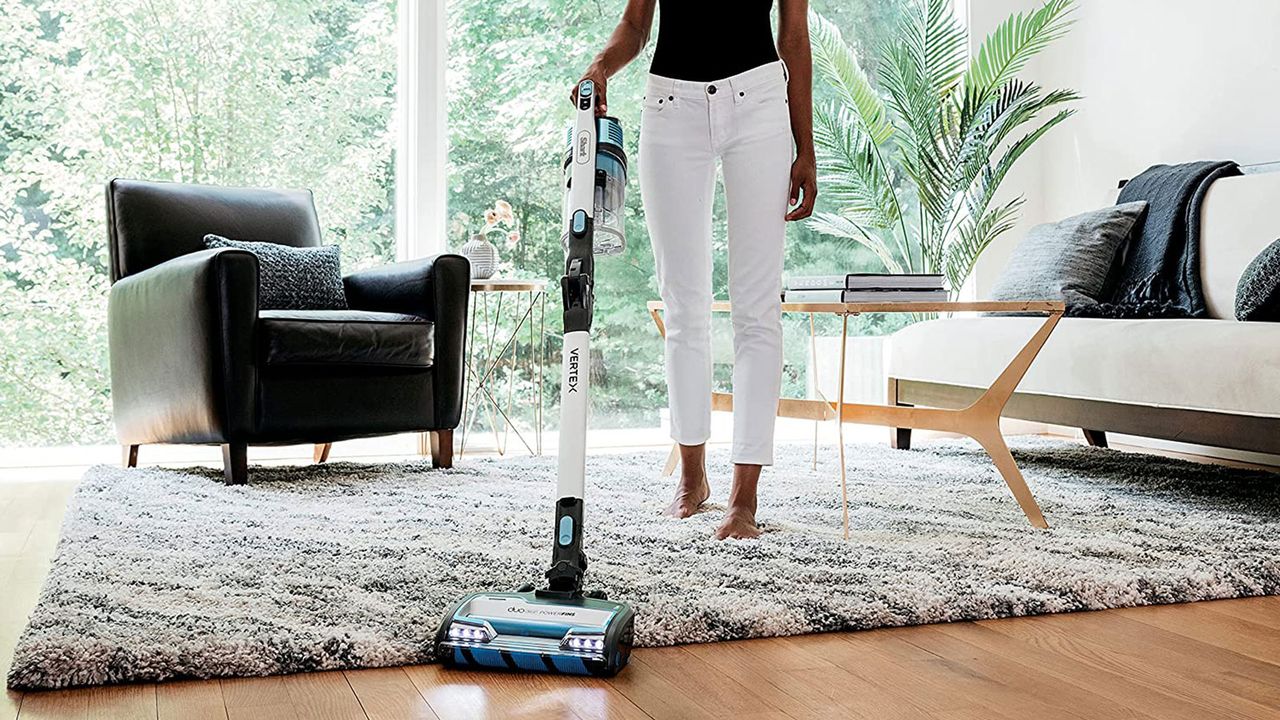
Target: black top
[[704, 40]]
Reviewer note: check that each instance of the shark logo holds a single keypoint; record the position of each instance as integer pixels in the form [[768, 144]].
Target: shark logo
[[572, 375], [584, 144]]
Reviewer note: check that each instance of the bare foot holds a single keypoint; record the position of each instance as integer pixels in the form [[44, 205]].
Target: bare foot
[[739, 524], [690, 495]]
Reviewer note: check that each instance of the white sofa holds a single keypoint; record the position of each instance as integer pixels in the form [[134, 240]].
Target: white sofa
[[1207, 381]]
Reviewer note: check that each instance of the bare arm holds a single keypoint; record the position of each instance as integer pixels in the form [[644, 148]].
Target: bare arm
[[624, 45], [793, 46]]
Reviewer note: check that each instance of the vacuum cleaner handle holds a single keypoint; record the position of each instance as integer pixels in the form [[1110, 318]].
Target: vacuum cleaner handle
[[580, 211]]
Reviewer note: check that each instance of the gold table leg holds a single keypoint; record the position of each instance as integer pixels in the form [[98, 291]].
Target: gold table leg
[[673, 458], [813, 351], [986, 412], [673, 461], [844, 489], [467, 393]]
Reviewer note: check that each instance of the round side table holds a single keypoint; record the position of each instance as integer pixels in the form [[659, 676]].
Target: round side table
[[490, 346]]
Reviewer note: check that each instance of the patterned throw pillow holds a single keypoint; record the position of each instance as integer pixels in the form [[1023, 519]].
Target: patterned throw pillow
[[1070, 260], [293, 278], [1258, 293]]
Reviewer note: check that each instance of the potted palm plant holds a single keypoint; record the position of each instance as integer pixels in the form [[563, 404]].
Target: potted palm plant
[[914, 159]]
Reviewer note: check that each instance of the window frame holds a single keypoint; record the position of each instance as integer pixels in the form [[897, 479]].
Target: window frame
[[421, 121]]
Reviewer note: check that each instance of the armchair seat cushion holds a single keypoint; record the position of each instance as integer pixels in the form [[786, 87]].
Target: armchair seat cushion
[[345, 338]]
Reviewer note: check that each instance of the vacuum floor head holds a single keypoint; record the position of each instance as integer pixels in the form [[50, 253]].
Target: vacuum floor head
[[523, 632]]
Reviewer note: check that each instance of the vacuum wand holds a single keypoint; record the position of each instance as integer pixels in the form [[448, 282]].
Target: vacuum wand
[[568, 562]]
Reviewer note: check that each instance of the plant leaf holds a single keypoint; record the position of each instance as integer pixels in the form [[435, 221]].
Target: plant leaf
[[974, 235], [854, 178], [836, 60], [1008, 49], [837, 226], [923, 67]]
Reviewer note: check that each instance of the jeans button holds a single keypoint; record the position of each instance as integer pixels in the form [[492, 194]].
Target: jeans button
[[711, 89]]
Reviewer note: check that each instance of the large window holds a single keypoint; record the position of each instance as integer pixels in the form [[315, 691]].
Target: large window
[[295, 93], [511, 65], [302, 93]]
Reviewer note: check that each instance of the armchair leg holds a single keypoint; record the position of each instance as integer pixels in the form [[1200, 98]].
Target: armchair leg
[[1096, 438], [235, 463], [441, 448], [322, 452], [129, 456]]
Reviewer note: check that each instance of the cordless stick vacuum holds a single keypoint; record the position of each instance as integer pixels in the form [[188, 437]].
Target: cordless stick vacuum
[[561, 628]]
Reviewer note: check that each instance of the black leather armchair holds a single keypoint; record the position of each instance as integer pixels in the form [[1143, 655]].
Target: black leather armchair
[[193, 360]]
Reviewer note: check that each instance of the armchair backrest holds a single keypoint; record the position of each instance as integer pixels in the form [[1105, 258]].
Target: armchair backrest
[[151, 222]]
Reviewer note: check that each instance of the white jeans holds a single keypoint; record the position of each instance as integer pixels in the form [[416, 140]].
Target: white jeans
[[744, 122]]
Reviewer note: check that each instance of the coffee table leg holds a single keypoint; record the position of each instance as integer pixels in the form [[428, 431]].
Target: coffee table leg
[[993, 442], [983, 420], [673, 459], [844, 490], [813, 350]]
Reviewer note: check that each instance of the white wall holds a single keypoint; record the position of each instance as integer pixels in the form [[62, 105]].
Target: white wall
[[1163, 81]]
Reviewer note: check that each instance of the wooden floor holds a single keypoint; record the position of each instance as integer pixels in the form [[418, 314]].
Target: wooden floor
[[1177, 662]]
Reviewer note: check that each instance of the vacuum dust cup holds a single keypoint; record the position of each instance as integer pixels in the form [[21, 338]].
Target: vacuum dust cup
[[610, 188]]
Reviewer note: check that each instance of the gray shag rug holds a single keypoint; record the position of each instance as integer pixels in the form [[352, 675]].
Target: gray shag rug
[[167, 573]]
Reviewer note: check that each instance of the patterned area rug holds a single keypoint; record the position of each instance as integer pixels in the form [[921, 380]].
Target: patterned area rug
[[167, 573]]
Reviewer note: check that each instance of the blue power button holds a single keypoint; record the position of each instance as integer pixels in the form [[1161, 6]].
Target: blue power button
[[579, 224], [566, 530]]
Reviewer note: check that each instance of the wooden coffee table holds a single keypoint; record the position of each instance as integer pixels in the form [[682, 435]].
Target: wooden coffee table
[[980, 420]]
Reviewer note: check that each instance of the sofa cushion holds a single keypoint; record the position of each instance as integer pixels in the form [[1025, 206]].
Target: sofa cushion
[[345, 337], [1214, 365], [1071, 260]]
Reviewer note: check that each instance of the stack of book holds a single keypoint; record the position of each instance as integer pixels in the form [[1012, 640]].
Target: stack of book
[[866, 288]]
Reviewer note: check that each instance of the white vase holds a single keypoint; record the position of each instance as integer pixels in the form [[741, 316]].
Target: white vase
[[483, 256]]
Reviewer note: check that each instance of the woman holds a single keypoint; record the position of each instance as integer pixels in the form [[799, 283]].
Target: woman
[[720, 90]]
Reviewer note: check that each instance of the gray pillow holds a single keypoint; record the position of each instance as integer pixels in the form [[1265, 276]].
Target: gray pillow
[[1071, 260], [293, 278], [1258, 293]]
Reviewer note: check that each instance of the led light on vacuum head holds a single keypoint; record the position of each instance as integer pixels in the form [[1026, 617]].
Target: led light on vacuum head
[[470, 633], [583, 642]]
